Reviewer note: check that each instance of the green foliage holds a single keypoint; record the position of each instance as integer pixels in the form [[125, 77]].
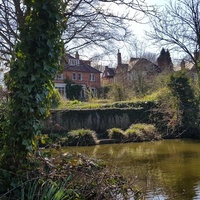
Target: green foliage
[[48, 189], [186, 105], [55, 98], [135, 133], [34, 63], [68, 177], [73, 90], [80, 137], [116, 93], [142, 132], [145, 102], [103, 92], [140, 85], [116, 133]]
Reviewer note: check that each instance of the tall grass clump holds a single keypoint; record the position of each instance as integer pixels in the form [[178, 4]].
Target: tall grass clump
[[116, 134], [81, 137], [141, 132]]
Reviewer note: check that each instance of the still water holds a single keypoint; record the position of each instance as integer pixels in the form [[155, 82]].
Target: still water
[[168, 169]]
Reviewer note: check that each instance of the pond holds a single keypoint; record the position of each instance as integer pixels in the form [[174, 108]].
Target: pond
[[168, 169]]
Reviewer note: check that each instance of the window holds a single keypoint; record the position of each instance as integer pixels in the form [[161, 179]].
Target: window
[[61, 90], [93, 92], [92, 77], [59, 77], [73, 76], [80, 77], [73, 62]]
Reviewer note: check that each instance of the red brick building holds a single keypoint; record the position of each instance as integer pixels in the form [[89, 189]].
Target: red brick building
[[79, 72]]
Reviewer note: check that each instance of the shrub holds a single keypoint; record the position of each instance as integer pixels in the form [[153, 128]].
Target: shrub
[[80, 137], [116, 134], [187, 108], [142, 132], [68, 177], [55, 98], [116, 93]]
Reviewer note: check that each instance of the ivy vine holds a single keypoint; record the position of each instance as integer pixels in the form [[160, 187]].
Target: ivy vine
[[34, 64]]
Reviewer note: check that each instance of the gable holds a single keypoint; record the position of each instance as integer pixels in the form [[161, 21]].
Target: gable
[[142, 64]]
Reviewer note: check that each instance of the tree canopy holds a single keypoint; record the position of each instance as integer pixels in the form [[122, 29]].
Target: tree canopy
[[90, 23], [178, 27]]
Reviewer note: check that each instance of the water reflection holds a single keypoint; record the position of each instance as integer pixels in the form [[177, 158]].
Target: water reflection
[[164, 169]]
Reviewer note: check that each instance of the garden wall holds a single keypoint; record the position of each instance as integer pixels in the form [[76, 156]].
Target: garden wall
[[99, 119]]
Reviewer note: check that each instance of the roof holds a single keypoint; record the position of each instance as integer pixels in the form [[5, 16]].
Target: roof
[[111, 71], [143, 64], [188, 66], [82, 67]]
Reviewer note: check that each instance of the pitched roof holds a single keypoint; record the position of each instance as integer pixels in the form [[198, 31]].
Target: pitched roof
[[83, 66], [143, 64], [188, 66], [111, 71]]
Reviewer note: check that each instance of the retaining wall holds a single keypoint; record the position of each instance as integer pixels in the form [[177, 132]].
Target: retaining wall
[[98, 120]]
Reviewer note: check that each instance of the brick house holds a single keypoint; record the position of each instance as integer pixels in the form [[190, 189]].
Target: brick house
[[79, 72], [135, 69], [108, 75]]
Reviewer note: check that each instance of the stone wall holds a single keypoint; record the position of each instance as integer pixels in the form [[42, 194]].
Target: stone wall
[[98, 120]]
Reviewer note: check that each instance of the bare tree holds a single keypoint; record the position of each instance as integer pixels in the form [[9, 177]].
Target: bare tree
[[178, 26], [90, 23]]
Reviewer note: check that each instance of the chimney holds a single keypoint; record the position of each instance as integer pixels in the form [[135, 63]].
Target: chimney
[[77, 55], [119, 58], [183, 64], [106, 71]]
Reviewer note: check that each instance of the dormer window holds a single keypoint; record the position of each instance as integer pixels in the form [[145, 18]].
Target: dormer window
[[73, 62]]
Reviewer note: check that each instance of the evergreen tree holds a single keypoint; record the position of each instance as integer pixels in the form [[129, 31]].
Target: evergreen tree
[[164, 60]]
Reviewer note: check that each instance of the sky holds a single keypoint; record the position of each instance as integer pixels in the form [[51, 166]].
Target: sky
[[139, 32]]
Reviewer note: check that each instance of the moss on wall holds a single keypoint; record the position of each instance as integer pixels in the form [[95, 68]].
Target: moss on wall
[[98, 120]]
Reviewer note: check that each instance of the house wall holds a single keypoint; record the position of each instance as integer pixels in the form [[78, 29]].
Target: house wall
[[85, 78]]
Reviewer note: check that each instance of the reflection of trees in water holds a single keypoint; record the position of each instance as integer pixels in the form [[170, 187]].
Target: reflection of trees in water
[[163, 167], [169, 167]]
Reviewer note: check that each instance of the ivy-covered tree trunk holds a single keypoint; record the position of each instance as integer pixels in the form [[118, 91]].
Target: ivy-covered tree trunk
[[34, 64]]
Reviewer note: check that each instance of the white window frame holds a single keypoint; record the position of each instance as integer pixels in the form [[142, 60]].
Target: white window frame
[[80, 77], [61, 87], [92, 77], [73, 62], [73, 76]]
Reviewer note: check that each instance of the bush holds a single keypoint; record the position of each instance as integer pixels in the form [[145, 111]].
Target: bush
[[80, 137], [116, 134], [55, 98], [141, 132], [67, 177], [187, 108]]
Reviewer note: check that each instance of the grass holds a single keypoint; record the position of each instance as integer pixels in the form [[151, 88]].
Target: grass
[[96, 104], [80, 137], [135, 133], [142, 132], [116, 134]]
